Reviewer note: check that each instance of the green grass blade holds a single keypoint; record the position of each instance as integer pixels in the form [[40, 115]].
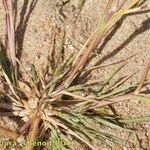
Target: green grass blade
[[108, 80], [135, 120], [141, 98], [120, 90], [111, 124], [6, 66]]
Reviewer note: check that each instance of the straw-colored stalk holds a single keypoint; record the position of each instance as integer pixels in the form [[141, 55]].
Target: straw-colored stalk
[[143, 78]]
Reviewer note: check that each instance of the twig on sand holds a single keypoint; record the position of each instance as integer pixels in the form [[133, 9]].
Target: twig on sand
[[137, 91]]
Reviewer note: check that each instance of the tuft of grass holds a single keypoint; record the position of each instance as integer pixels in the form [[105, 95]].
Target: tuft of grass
[[52, 102]]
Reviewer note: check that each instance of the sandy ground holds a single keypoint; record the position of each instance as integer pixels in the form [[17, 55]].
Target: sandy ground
[[34, 27]]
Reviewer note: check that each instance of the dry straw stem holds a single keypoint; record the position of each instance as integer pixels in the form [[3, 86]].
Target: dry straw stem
[[78, 97], [113, 100], [33, 133], [139, 9], [9, 133], [137, 91]]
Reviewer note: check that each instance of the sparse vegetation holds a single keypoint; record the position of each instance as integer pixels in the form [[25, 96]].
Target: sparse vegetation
[[54, 103]]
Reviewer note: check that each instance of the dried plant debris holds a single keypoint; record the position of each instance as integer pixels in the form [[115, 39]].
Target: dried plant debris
[[52, 103]]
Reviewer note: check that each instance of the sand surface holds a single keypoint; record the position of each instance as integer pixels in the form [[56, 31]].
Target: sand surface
[[35, 20]]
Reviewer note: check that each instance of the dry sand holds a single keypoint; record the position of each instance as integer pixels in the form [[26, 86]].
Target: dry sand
[[130, 38]]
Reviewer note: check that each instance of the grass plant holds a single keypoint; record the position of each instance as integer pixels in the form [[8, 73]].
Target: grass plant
[[52, 103]]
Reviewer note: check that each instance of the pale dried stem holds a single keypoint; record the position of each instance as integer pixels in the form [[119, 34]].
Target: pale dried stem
[[137, 91], [130, 96], [141, 8], [78, 96], [84, 47], [33, 133], [112, 100], [6, 132]]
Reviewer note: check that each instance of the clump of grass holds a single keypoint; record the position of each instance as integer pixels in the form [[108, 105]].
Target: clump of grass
[[50, 102]]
